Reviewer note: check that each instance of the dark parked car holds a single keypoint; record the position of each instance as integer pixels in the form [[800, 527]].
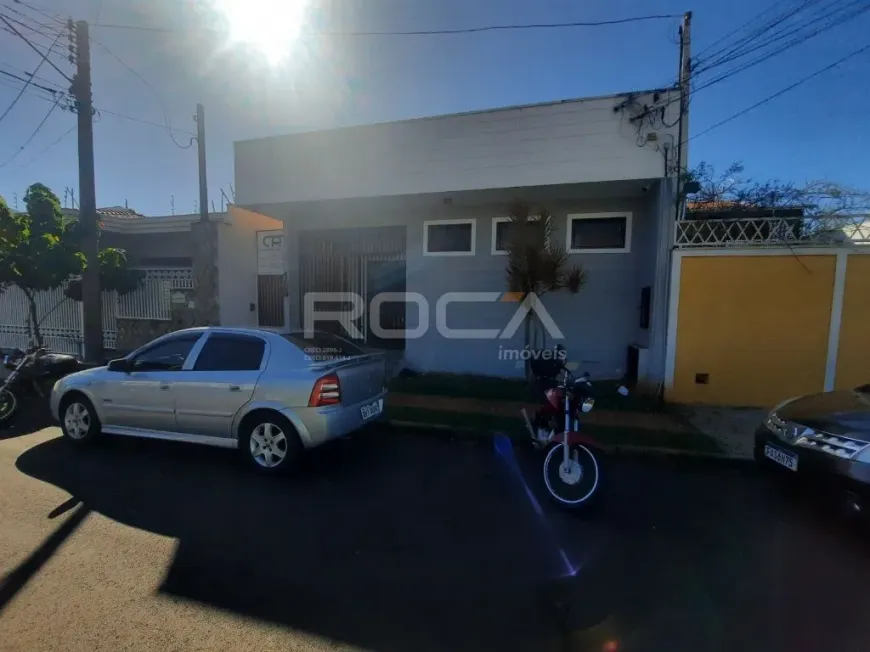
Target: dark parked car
[[822, 437]]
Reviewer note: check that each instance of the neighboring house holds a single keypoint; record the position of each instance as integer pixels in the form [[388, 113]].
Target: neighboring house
[[420, 206], [163, 247]]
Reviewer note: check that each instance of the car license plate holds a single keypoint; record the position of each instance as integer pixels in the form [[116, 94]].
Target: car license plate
[[788, 460], [372, 409]]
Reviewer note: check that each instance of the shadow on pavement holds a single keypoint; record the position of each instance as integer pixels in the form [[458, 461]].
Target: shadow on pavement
[[388, 543], [396, 543], [33, 414]]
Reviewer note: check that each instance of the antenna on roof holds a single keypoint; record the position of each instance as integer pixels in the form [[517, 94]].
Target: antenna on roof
[[172, 203], [212, 207], [195, 206], [15, 199], [125, 204], [65, 195], [224, 198]]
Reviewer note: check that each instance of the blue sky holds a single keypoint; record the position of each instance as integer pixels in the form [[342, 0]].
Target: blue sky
[[816, 131]]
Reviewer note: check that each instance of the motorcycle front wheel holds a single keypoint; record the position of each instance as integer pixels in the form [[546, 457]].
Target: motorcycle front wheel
[[8, 405], [576, 484]]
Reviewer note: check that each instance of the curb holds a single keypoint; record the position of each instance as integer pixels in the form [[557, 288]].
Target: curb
[[461, 432]]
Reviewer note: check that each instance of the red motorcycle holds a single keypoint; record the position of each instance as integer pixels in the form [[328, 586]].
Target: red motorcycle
[[572, 473]]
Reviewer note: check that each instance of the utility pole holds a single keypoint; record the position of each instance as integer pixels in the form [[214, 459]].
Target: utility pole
[[685, 76], [92, 323], [205, 270], [200, 147]]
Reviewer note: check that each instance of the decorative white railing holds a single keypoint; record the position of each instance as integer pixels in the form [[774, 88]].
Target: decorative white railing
[[773, 232], [60, 318], [180, 278]]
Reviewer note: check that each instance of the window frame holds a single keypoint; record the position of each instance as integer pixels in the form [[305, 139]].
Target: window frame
[[592, 216], [427, 223], [166, 339], [263, 361], [494, 239]]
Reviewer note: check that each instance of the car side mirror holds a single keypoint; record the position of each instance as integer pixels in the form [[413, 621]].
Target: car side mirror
[[119, 364]]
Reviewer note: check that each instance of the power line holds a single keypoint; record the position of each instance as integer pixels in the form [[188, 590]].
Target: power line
[[427, 32], [787, 46], [32, 135], [46, 13], [24, 88], [755, 19], [835, 21], [781, 92], [167, 122], [49, 147], [35, 49], [754, 35], [139, 120], [29, 82]]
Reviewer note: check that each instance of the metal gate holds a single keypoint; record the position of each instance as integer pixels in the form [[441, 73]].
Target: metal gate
[[60, 318], [338, 261]]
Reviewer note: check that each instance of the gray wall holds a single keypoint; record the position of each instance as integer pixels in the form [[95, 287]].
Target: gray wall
[[598, 323], [588, 140]]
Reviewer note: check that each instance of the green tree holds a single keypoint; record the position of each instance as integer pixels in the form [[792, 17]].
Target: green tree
[[40, 250], [537, 265]]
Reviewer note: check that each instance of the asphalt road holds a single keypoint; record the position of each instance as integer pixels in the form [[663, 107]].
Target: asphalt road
[[400, 542]]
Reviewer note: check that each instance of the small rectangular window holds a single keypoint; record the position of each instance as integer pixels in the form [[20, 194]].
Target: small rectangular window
[[599, 233], [226, 352], [501, 233], [449, 238]]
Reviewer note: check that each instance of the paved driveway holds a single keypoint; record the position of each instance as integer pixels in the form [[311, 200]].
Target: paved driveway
[[398, 543]]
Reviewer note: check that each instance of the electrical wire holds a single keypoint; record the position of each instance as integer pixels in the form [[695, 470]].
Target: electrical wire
[[752, 21], [166, 120], [46, 13], [838, 20], [23, 88], [785, 90], [787, 46], [466, 30], [32, 135], [35, 49], [753, 36], [48, 147], [835, 21], [52, 91]]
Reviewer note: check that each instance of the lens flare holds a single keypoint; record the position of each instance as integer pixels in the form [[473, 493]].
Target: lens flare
[[272, 27]]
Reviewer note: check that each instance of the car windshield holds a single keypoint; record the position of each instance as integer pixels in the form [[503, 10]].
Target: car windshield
[[324, 347]]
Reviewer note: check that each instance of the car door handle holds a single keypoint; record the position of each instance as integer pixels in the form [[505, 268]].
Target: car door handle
[[235, 388], [164, 387]]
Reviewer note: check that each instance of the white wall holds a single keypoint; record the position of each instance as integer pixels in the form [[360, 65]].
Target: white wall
[[237, 261], [574, 141]]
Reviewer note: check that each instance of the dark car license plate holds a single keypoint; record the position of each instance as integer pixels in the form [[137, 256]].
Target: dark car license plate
[[786, 459]]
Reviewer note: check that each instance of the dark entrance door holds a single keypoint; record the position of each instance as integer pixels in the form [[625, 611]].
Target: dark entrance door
[[386, 276]]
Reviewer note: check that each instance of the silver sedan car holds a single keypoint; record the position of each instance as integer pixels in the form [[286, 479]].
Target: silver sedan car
[[270, 395]]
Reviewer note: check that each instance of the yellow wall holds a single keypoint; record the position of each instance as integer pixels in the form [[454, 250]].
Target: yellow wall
[[758, 325], [853, 359]]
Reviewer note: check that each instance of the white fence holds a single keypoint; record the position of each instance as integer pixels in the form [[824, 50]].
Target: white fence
[[60, 318], [773, 232]]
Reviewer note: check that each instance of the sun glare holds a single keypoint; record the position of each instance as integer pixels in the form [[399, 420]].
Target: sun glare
[[270, 26]]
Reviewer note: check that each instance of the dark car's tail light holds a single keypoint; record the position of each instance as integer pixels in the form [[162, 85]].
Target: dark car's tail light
[[327, 391]]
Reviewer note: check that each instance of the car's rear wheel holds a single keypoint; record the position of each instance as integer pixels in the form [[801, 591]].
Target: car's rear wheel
[[78, 420], [269, 443]]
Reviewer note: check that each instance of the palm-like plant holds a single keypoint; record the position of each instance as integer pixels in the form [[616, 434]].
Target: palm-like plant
[[537, 265]]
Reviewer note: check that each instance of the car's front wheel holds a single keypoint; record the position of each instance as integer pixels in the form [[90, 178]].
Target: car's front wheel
[[270, 443], [78, 420]]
